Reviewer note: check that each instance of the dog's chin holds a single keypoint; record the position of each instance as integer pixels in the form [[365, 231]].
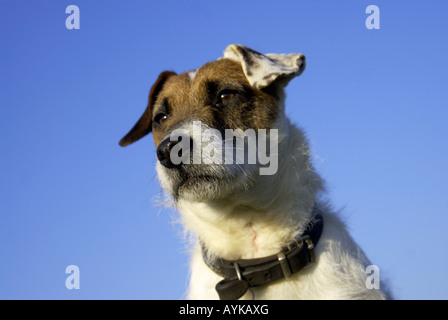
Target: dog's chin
[[203, 188], [201, 185]]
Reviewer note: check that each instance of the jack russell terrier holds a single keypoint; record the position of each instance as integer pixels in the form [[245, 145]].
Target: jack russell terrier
[[241, 176]]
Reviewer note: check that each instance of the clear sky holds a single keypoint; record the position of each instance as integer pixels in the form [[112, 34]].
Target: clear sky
[[374, 104]]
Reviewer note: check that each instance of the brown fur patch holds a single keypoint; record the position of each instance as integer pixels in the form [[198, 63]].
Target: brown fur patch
[[182, 99]]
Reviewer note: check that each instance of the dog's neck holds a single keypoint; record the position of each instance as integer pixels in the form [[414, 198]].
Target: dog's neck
[[262, 220]]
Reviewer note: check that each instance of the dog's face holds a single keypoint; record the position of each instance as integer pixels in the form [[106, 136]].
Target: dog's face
[[239, 93]]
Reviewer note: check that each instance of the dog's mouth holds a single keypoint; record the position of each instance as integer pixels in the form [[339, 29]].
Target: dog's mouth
[[197, 184], [201, 182], [188, 181]]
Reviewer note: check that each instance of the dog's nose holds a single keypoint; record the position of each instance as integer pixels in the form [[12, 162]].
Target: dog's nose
[[164, 151]]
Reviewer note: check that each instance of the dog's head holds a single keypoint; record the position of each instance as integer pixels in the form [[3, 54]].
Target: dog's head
[[197, 116]]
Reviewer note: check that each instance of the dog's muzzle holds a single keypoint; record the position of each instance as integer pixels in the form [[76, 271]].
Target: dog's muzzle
[[191, 166]]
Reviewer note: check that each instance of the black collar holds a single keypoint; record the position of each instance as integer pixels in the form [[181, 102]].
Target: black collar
[[240, 275]]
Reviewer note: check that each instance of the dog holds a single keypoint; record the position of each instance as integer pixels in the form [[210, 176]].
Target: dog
[[258, 235]]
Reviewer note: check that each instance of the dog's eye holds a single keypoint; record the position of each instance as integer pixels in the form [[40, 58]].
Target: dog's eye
[[160, 118], [226, 95]]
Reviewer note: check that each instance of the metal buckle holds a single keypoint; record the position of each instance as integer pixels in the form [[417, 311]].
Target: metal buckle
[[310, 246], [284, 264], [284, 260], [240, 278], [238, 271]]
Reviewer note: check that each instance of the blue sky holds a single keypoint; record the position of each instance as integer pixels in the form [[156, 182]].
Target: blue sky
[[374, 104]]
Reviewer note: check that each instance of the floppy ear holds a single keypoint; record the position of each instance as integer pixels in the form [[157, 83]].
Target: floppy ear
[[144, 124], [262, 70]]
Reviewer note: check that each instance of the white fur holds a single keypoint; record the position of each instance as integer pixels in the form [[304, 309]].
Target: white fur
[[192, 74], [263, 69]]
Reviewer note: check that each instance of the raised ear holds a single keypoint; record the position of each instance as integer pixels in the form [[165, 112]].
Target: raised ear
[[262, 70], [144, 124]]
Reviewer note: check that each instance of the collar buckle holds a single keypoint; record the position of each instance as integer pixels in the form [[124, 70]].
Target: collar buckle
[[284, 264], [283, 259], [310, 247]]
